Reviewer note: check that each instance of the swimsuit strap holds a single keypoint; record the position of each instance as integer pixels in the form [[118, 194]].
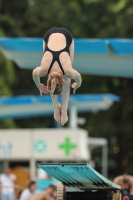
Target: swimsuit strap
[[50, 67], [55, 58], [58, 60]]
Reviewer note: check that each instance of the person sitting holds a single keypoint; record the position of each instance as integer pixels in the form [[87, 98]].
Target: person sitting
[[29, 191], [126, 183], [48, 194]]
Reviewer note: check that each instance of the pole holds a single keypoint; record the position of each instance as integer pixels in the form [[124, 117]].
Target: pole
[[32, 168], [32, 159], [73, 121], [105, 160]]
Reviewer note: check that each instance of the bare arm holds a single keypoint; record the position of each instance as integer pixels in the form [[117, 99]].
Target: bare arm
[[116, 181], [38, 71], [36, 74], [40, 196], [73, 74], [71, 49], [36, 77], [77, 78], [131, 189]]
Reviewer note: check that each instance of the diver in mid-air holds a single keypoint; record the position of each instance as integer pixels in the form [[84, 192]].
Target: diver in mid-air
[[58, 46]]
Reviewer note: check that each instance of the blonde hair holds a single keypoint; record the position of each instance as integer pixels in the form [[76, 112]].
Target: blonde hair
[[55, 83]]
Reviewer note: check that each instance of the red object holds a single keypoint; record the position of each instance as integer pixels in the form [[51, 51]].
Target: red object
[[125, 198]]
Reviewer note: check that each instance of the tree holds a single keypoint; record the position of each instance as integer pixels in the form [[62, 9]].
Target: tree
[[7, 80]]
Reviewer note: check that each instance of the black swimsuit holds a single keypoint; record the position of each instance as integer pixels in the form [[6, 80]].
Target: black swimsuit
[[56, 54]]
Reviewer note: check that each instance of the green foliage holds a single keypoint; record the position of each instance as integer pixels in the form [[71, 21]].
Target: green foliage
[[7, 80], [85, 19], [9, 123], [7, 76], [114, 124]]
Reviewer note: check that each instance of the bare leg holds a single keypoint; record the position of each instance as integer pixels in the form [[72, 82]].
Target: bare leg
[[56, 108], [65, 97]]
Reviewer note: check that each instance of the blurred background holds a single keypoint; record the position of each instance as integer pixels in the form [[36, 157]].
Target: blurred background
[[110, 129]]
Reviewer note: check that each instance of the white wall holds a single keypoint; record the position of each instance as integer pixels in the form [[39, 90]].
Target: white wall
[[44, 144]]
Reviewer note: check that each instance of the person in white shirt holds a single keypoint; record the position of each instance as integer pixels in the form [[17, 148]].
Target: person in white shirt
[[49, 194], [7, 181], [29, 191]]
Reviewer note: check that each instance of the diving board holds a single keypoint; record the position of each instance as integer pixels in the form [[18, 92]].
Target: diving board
[[33, 105], [107, 57], [83, 177]]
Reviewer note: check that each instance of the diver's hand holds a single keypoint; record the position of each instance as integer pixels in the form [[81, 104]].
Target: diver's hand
[[74, 86], [43, 89]]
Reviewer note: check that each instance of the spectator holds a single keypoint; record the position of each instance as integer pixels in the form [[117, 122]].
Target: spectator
[[48, 194], [126, 183], [7, 181], [29, 191]]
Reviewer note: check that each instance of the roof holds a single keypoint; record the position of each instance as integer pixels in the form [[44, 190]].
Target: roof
[[77, 175], [111, 57], [32, 106], [97, 142]]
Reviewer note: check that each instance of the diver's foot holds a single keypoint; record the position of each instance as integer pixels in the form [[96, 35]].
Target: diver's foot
[[64, 117]]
